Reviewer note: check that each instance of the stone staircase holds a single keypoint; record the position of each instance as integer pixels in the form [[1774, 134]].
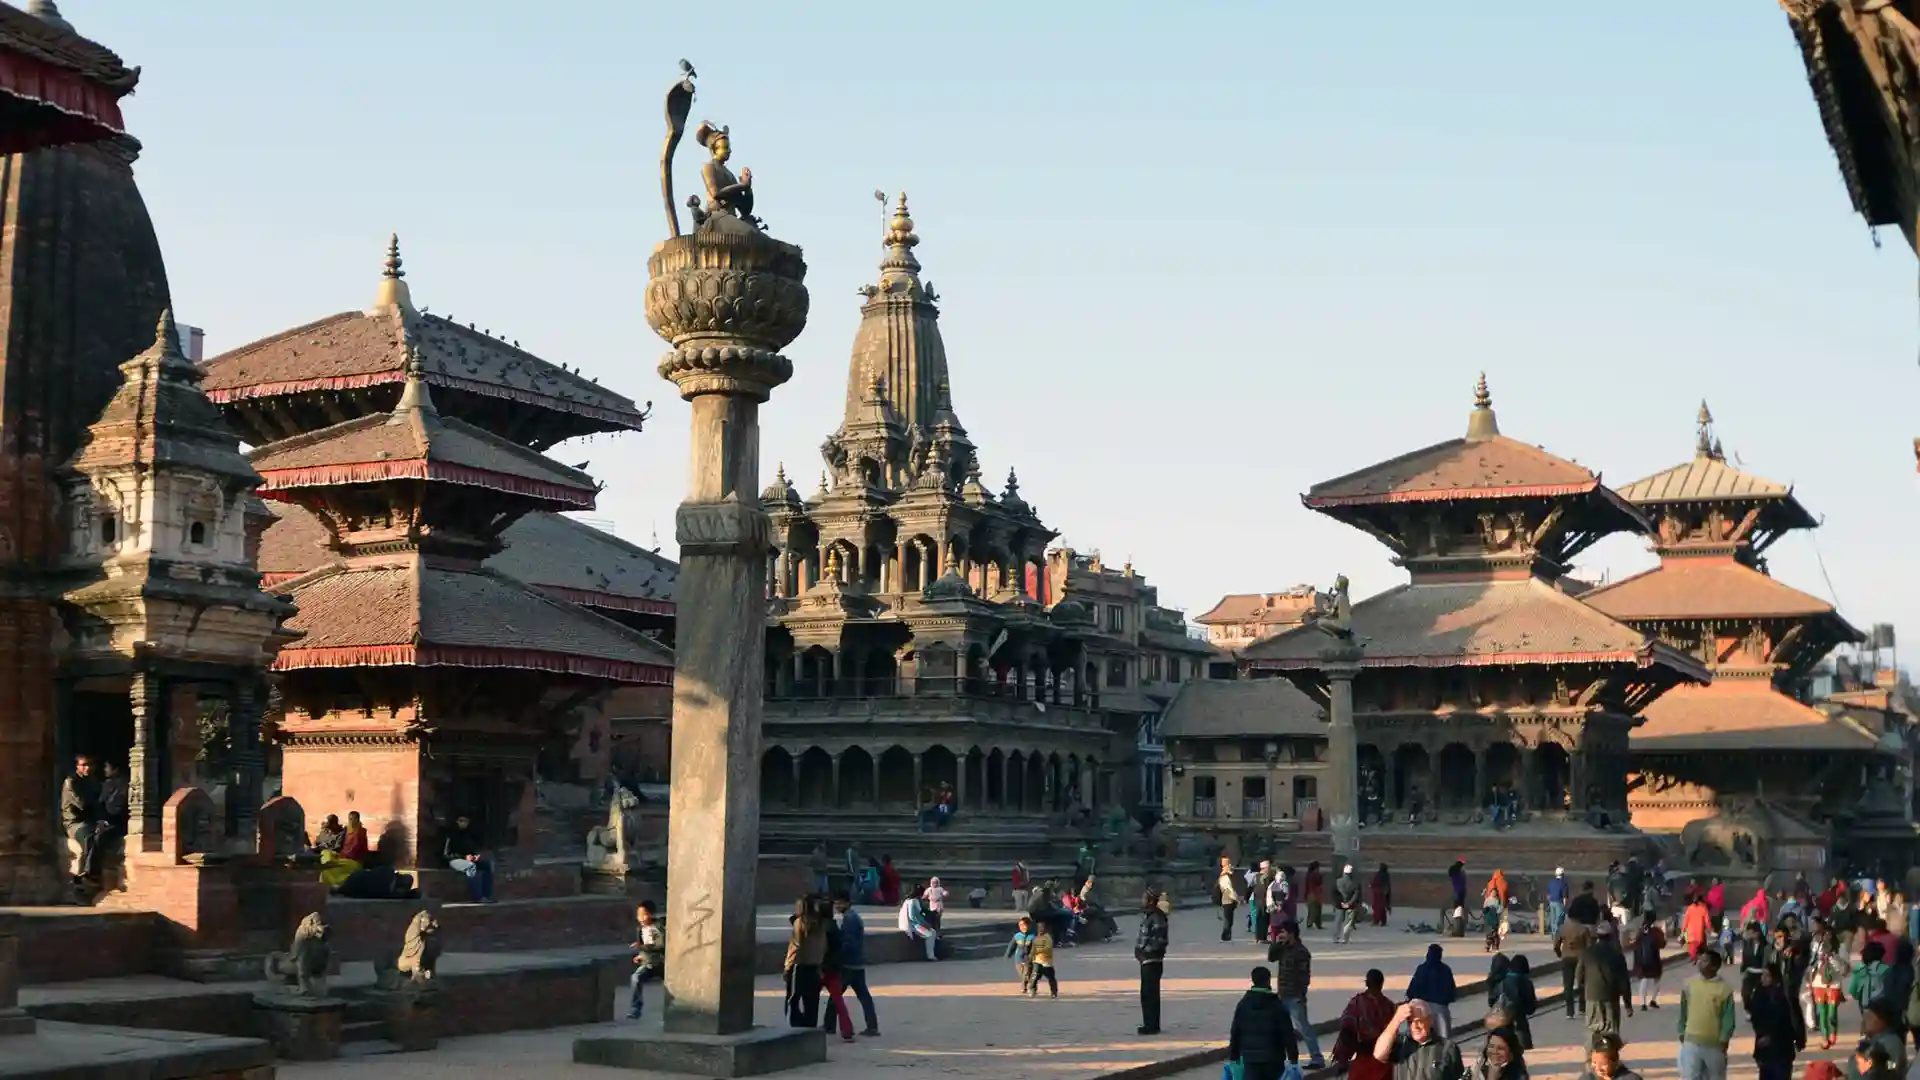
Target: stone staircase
[[363, 1030]]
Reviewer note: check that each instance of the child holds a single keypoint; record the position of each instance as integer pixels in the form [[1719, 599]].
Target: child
[[649, 956], [1021, 949], [1040, 964]]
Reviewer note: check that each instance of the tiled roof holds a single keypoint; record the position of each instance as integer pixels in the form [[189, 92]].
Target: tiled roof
[[59, 46], [1702, 588], [1736, 715], [1704, 477], [1277, 609], [575, 561], [1524, 621], [373, 448], [561, 557], [1486, 468], [355, 349], [410, 614], [1219, 708]]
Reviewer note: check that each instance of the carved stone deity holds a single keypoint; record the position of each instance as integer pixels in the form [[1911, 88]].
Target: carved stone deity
[[420, 954], [613, 847], [1337, 620], [304, 967]]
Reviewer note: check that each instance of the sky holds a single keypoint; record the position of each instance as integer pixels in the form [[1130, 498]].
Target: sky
[[1193, 258]]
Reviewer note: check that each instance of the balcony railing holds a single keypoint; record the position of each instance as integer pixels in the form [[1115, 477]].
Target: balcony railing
[[1205, 808], [923, 686], [1254, 809]]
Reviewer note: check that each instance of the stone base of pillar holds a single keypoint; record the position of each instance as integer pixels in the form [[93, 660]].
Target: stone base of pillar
[[755, 1052], [302, 1029], [15, 1021]]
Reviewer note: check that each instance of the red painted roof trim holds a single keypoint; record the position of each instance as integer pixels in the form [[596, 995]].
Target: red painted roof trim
[[352, 656], [375, 472], [1530, 491]]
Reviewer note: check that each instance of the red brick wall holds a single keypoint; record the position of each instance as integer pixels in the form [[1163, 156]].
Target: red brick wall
[[383, 784], [96, 945]]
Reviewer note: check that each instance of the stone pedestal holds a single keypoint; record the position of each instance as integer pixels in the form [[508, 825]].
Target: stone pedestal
[[301, 1028], [411, 1016], [13, 1019], [1341, 663], [753, 1052]]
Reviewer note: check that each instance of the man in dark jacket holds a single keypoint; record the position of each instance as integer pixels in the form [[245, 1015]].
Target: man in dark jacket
[[1433, 983], [461, 849], [1570, 944], [1150, 949], [1602, 976], [1585, 907], [80, 815], [1262, 1035], [1295, 967]]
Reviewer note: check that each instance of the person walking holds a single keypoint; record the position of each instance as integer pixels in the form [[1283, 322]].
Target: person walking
[[1382, 895], [1754, 952], [1869, 977], [1229, 898], [1457, 880], [1571, 944], [1827, 971], [936, 901], [1023, 884], [1433, 983], [1603, 978], [1261, 1038], [1648, 943], [806, 950], [1775, 1041], [1519, 1000], [1696, 926], [1706, 1022], [1262, 893], [1040, 963], [1279, 899], [649, 956], [1366, 1015], [1346, 897], [1294, 977], [1150, 951], [832, 977], [1556, 901], [1313, 887], [853, 960], [819, 865]]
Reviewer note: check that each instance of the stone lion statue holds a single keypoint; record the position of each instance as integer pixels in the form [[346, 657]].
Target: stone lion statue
[[613, 846], [305, 967], [420, 955]]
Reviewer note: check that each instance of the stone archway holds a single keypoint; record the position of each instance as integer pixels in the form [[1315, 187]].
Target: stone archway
[[1056, 794], [896, 779], [1503, 768], [776, 779], [996, 786], [816, 780], [1035, 788], [1015, 796], [1412, 776], [938, 766], [1457, 781], [856, 778], [974, 773], [1553, 771]]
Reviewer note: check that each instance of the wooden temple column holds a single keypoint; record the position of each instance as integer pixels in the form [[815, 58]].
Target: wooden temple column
[[876, 780], [833, 791], [919, 763], [794, 761], [146, 757]]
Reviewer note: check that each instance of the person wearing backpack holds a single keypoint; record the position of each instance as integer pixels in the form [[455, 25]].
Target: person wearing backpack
[[1869, 978]]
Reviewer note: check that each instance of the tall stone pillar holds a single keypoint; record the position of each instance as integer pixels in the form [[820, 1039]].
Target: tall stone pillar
[[727, 297], [243, 720], [1341, 663], [146, 761]]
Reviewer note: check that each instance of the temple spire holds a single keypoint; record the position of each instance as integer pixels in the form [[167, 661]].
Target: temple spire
[[901, 241], [414, 398], [1705, 445], [1481, 423], [899, 335], [393, 292], [48, 12]]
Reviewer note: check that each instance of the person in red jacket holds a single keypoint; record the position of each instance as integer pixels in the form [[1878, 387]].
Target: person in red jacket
[[355, 845]]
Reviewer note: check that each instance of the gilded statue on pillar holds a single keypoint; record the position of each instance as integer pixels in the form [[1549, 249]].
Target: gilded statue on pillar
[[1337, 620], [728, 195]]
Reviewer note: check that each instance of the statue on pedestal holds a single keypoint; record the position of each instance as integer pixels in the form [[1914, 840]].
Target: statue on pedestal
[[611, 847], [305, 966]]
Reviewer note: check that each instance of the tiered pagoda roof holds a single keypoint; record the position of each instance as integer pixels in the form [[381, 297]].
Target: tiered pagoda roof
[[1485, 525], [1712, 597], [412, 504], [56, 87], [354, 363]]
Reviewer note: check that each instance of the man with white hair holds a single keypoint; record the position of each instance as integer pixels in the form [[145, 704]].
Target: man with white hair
[[1422, 1053], [1346, 897]]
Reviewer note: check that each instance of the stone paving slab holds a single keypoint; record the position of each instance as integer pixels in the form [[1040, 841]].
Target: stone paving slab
[[73, 1050], [966, 1019]]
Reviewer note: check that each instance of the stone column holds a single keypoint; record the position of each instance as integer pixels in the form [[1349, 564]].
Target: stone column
[[833, 792], [146, 761], [13, 1019], [1341, 663], [243, 719], [728, 298]]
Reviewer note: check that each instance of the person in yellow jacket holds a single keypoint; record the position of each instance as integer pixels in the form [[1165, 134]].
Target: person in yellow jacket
[[1040, 962]]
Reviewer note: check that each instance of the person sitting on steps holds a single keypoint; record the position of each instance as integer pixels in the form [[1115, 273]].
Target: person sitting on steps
[[462, 851]]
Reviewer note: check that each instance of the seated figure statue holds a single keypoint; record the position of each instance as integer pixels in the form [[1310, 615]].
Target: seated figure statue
[[613, 847]]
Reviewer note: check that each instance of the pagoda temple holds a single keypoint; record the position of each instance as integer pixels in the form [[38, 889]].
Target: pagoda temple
[[1712, 749], [1482, 673], [910, 649], [402, 452], [82, 286]]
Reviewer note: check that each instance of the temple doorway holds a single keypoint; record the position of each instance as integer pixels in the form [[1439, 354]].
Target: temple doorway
[[896, 778], [975, 776], [856, 778], [1554, 770], [816, 780], [938, 768], [1503, 770], [776, 779], [996, 786], [1412, 773]]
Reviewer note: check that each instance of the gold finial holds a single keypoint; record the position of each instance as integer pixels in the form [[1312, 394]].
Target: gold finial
[[1481, 423], [900, 229], [780, 474], [876, 389], [393, 292], [1703, 426], [833, 565]]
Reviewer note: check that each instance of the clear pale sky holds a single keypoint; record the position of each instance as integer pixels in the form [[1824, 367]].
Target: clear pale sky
[[1193, 257]]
